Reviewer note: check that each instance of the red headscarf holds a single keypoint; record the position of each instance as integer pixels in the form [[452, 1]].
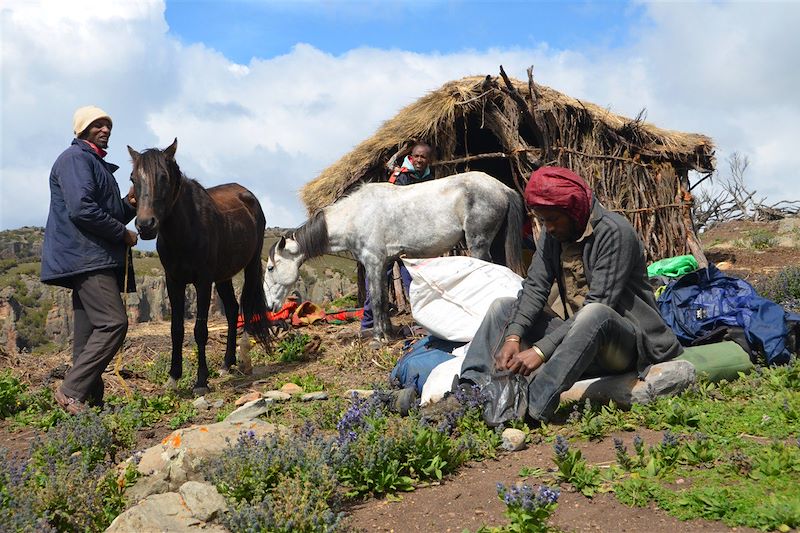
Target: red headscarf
[[560, 187]]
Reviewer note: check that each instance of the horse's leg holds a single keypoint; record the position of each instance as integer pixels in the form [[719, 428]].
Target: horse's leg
[[177, 299], [376, 275], [225, 291], [201, 335]]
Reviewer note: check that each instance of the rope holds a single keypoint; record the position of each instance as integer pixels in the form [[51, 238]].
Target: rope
[[118, 363]]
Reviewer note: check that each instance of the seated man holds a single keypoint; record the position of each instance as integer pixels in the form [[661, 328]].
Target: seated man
[[415, 169], [612, 324]]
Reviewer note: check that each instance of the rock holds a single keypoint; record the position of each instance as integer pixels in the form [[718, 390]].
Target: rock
[[161, 512], [724, 265], [217, 404], [202, 499], [249, 411], [663, 379], [292, 388], [247, 398], [156, 483], [359, 393], [314, 396], [201, 404], [277, 396], [188, 447], [513, 439]]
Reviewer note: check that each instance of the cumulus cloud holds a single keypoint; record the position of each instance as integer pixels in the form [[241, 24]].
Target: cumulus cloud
[[275, 123]]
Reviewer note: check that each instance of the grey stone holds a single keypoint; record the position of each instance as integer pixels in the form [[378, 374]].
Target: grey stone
[[155, 483], [663, 379], [201, 404], [513, 439], [161, 512], [249, 411], [277, 396], [359, 393], [314, 396], [217, 404], [202, 499], [190, 446]]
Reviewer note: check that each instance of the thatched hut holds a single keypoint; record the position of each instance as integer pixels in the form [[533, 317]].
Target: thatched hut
[[508, 128]]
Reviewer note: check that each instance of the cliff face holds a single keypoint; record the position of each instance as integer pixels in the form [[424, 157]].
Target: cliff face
[[33, 314]]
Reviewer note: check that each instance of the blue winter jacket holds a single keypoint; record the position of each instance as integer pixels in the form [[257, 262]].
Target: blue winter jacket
[[86, 225]]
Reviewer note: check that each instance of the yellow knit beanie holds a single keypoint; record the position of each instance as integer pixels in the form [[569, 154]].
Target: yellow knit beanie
[[86, 115]]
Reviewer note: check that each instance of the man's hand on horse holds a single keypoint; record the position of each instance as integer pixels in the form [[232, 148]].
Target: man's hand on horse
[[525, 362], [132, 196]]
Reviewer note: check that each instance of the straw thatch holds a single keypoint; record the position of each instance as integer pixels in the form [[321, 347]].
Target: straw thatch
[[508, 129]]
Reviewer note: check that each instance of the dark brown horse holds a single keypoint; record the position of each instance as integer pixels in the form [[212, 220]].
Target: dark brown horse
[[205, 236]]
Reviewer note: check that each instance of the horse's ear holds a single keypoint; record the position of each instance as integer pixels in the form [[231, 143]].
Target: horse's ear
[[134, 153], [282, 244], [170, 151]]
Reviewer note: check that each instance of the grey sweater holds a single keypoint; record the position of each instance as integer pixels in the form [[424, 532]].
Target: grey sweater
[[615, 269]]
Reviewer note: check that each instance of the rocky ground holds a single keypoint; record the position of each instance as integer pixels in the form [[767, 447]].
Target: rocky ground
[[339, 359]]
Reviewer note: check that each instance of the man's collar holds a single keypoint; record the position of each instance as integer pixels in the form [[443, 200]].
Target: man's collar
[[96, 149]]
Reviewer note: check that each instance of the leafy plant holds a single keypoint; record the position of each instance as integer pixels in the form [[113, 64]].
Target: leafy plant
[[292, 347], [573, 469], [527, 510], [13, 394]]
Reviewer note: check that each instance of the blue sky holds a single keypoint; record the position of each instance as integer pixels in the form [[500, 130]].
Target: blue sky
[[246, 29], [269, 94]]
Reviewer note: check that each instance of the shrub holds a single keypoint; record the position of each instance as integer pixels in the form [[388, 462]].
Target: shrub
[[13, 394]]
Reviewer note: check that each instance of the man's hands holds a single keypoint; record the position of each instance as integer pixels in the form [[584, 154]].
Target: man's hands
[[510, 357], [525, 362], [130, 238], [506, 354], [132, 197]]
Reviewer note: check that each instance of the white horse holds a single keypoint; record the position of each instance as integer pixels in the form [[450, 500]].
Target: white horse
[[379, 222]]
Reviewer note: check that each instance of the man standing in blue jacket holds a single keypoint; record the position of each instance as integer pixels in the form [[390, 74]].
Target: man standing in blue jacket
[[85, 245]]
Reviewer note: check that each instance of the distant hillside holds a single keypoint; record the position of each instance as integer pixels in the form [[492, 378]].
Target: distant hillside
[[33, 314]]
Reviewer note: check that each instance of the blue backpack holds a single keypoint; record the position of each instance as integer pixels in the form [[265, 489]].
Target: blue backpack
[[414, 367], [699, 302]]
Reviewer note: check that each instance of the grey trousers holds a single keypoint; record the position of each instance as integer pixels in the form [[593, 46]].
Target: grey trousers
[[599, 341], [101, 323]]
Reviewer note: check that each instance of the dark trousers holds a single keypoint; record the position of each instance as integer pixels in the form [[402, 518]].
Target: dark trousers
[[599, 342], [100, 327], [367, 321]]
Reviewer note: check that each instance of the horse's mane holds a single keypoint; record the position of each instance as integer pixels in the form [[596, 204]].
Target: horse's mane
[[153, 159], [312, 237]]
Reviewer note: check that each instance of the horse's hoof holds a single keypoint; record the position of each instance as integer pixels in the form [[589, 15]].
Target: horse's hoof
[[224, 371], [172, 384], [200, 391], [376, 344]]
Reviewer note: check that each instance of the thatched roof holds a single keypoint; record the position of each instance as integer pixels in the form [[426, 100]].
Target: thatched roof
[[477, 124]]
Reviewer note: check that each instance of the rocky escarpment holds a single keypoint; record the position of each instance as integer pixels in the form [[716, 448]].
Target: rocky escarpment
[[33, 314]]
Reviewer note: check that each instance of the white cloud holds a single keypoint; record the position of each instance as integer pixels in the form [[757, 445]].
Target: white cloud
[[726, 70]]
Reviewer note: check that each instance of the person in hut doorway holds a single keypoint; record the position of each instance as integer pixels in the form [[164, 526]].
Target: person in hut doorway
[[85, 244], [611, 325], [415, 169]]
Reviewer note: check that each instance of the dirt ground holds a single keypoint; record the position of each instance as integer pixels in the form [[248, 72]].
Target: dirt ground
[[465, 500]]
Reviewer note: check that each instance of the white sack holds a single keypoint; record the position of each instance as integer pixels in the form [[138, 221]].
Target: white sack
[[440, 380], [450, 295]]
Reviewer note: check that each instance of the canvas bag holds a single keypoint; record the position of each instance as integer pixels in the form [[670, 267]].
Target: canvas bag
[[422, 357], [450, 295]]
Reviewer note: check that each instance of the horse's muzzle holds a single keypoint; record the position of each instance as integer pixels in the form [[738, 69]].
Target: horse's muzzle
[[148, 227]]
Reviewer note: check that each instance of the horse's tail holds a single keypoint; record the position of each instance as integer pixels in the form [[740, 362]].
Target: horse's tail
[[510, 247], [254, 301]]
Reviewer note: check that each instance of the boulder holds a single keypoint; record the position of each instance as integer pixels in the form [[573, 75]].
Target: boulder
[[663, 379], [177, 512]]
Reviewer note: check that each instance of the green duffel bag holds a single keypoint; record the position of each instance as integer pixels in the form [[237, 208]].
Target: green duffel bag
[[718, 360]]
